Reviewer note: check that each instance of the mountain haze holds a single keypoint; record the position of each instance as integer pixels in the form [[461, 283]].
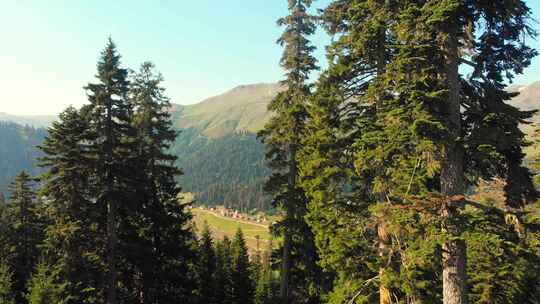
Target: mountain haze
[[36, 121]]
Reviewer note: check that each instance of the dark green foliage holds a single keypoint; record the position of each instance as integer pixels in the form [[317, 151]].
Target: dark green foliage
[[267, 281], [301, 278], [225, 272], [117, 230], [44, 288], [18, 151], [223, 171], [385, 139], [73, 238], [207, 265], [111, 145], [6, 293], [223, 277], [23, 233], [155, 237], [242, 285]]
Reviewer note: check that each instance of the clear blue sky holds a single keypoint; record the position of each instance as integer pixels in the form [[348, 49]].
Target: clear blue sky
[[202, 47]]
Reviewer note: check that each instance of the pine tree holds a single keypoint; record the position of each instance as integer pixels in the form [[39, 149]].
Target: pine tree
[[72, 241], [207, 267], [342, 111], [2, 198], [282, 135], [44, 287], [167, 245], [24, 233], [492, 33], [6, 293], [223, 278], [267, 286], [112, 194], [242, 286], [109, 116], [392, 149]]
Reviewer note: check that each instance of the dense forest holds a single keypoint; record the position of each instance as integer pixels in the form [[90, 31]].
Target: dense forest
[[225, 171], [18, 151], [371, 166]]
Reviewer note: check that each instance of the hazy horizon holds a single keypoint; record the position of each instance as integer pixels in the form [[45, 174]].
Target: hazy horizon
[[202, 48]]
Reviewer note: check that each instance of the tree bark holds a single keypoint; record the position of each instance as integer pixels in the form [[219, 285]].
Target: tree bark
[[285, 267], [111, 253], [111, 210], [286, 258], [385, 296], [452, 183]]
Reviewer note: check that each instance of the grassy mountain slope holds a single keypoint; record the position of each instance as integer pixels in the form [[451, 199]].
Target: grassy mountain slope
[[222, 160], [240, 110]]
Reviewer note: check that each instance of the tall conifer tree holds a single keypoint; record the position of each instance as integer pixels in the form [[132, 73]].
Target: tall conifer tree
[[163, 254], [25, 233], [400, 143], [342, 111], [242, 285], [299, 272], [223, 278], [72, 239], [109, 115], [207, 267]]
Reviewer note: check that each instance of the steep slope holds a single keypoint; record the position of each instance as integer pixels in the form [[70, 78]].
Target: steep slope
[[222, 160]]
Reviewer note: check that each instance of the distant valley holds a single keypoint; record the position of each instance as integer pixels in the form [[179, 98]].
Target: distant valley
[[222, 160]]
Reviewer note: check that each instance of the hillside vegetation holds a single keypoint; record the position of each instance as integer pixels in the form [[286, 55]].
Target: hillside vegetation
[[217, 148], [18, 151], [240, 110], [257, 235]]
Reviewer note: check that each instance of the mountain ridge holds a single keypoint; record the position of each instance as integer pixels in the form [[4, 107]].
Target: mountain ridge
[[37, 121], [243, 109], [239, 110]]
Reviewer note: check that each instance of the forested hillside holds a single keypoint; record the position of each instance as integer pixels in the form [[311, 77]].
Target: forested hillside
[[222, 171], [217, 147], [218, 150], [18, 151], [407, 172], [222, 168]]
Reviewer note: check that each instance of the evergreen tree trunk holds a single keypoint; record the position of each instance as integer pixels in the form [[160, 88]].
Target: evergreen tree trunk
[[286, 259], [111, 259], [111, 214], [385, 296], [285, 266], [452, 184]]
